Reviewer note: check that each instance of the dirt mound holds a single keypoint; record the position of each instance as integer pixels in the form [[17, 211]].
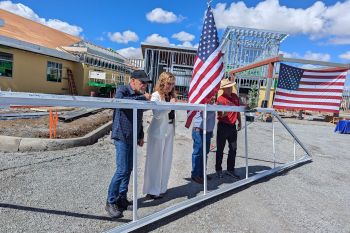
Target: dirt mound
[[39, 128]]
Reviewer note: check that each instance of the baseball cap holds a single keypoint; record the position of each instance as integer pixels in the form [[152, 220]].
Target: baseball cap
[[141, 75]]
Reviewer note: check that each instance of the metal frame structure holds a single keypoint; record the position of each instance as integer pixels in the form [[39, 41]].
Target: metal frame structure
[[345, 105], [13, 98], [243, 46], [174, 59]]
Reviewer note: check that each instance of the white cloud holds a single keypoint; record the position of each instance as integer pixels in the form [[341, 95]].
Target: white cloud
[[64, 27], [157, 39], [339, 40], [101, 38], [308, 55], [289, 55], [309, 66], [188, 44], [123, 37], [26, 12], [131, 52], [317, 56], [158, 15], [316, 21], [345, 55], [183, 36]]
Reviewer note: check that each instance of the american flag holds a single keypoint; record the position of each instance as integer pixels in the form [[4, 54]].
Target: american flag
[[208, 69], [315, 90]]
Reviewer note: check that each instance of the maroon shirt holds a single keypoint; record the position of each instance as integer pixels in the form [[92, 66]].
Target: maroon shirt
[[230, 117]]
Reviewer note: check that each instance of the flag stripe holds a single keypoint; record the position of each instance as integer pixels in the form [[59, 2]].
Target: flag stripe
[[322, 80], [323, 77], [306, 102], [320, 90], [325, 95], [323, 73], [314, 100], [323, 83], [304, 108], [322, 87]]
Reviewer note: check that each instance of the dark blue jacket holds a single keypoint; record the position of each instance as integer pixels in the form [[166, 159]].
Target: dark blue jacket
[[122, 118]]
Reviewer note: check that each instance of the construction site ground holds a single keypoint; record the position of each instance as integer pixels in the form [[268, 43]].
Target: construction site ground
[[39, 127], [65, 190]]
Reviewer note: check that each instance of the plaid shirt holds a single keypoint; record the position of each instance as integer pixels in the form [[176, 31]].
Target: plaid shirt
[[122, 118]]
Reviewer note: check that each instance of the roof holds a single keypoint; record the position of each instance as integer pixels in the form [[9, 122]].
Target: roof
[[99, 51], [254, 32], [20, 28], [19, 44], [167, 47]]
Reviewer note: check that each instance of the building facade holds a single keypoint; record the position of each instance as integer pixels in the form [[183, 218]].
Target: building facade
[[31, 62]]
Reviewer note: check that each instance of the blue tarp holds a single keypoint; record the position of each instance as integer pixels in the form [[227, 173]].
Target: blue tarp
[[343, 126]]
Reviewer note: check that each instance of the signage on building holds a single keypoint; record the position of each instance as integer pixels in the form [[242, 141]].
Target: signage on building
[[97, 75]]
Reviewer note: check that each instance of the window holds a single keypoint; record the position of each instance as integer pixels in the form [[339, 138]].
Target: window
[[54, 72], [6, 64]]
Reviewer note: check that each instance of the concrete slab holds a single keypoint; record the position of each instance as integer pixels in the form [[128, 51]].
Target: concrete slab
[[9, 144]]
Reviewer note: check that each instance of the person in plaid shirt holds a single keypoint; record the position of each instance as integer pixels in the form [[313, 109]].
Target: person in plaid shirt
[[122, 133]]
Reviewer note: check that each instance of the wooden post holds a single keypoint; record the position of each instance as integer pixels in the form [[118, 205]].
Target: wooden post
[[265, 103]]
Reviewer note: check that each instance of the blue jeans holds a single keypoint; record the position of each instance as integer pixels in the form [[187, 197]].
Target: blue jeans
[[197, 154], [118, 187]]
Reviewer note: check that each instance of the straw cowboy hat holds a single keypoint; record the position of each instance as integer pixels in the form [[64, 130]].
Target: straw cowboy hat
[[226, 83]]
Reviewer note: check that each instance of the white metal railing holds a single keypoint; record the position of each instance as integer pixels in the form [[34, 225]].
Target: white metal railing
[[32, 99]]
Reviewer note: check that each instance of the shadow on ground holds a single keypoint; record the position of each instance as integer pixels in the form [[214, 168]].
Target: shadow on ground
[[253, 170], [60, 212]]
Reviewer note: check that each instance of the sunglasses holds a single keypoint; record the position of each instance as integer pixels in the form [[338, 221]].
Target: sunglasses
[[143, 82]]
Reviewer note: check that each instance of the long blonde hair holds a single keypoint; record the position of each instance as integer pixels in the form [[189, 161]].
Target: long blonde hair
[[163, 78]]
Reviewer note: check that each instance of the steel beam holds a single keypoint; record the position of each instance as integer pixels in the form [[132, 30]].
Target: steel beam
[[201, 198]]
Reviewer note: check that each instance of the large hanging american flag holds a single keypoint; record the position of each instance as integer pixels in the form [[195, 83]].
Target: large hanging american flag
[[208, 69], [315, 90]]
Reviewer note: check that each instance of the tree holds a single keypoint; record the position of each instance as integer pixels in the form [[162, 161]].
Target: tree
[[253, 97]]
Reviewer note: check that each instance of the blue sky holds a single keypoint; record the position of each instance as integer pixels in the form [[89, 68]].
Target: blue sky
[[318, 29]]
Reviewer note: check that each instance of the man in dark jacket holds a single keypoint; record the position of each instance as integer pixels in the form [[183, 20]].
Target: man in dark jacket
[[122, 133]]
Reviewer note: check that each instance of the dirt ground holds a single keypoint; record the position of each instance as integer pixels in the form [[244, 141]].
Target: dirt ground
[[39, 127]]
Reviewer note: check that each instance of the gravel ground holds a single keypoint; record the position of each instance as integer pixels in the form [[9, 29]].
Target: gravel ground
[[65, 191], [39, 127]]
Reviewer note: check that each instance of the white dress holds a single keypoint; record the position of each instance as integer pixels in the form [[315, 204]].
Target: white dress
[[159, 154]]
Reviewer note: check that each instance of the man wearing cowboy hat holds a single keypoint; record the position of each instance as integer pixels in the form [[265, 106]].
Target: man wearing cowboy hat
[[226, 130]]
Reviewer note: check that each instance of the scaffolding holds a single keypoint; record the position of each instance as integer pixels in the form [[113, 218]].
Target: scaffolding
[[345, 103], [100, 60], [174, 59]]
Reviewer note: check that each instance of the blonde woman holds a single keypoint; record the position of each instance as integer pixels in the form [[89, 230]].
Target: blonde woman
[[160, 140]]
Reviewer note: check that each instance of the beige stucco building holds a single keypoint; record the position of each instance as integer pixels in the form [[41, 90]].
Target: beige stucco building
[[36, 58]]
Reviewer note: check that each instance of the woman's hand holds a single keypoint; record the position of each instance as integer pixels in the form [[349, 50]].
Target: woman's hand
[[140, 142], [173, 100]]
